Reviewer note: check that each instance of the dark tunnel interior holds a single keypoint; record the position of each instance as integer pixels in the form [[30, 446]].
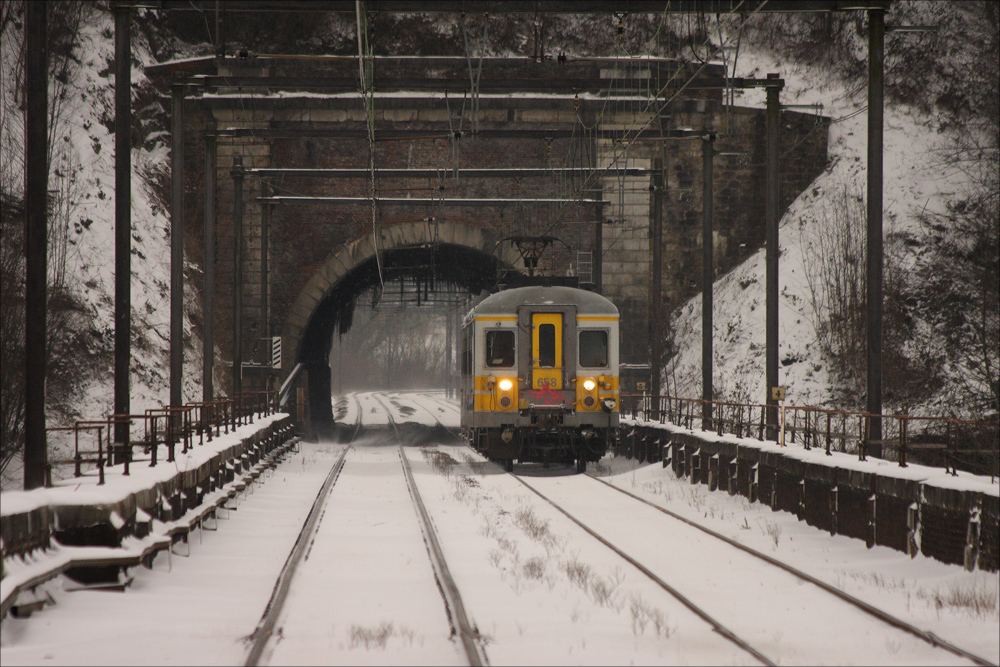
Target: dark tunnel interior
[[433, 266]]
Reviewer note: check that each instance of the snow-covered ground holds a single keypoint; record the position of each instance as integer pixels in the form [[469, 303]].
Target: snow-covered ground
[[959, 606], [186, 610], [538, 588]]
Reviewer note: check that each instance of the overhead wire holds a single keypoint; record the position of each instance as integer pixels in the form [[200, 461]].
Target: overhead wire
[[367, 87], [654, 108]]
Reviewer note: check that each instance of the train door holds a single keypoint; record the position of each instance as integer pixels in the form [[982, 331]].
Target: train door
[[546, 351]]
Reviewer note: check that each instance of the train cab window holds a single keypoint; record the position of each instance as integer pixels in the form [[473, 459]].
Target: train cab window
[[546, 345], [500, 348], [593, 349]]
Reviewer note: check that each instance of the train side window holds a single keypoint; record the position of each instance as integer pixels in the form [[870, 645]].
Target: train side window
[[593, 349], [500, 348], [467, 352], [546, 346]]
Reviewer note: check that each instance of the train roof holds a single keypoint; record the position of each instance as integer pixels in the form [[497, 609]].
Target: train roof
[[508, 300]]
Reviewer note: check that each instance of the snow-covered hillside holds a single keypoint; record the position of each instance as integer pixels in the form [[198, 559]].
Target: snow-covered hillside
[[918, 185], [914, 183], [82, 171]]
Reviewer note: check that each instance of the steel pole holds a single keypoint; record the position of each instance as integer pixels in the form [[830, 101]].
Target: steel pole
[[237, 174], [656, 283], [176, 243], [771, 258], [876, 42], [707, 273], [123, 218], [598, 255], [447, 354], [265, 219], [208, 342], [36, 178]]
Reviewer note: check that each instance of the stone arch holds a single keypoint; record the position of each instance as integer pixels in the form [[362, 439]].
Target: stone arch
[[356, 253], [467, 255]]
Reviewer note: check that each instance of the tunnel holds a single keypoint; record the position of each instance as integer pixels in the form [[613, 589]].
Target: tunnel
[[431, 265]]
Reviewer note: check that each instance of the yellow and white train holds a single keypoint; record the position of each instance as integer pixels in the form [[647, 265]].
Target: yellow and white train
[[540, 375]]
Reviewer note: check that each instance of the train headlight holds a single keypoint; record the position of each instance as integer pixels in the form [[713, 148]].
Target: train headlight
[[506, 393], [588, 389]]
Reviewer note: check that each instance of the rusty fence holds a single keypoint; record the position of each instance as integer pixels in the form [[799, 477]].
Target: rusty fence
[[955, 444], [155, 435]]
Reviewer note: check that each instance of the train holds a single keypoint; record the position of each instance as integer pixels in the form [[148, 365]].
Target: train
[[539, 376]]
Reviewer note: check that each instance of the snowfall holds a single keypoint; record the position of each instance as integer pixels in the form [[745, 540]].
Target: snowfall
[[538, 588], [365, 595]]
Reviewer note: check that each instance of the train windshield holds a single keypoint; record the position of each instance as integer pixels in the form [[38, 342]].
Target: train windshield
[[593, 349], [547, 345], [499, 348]]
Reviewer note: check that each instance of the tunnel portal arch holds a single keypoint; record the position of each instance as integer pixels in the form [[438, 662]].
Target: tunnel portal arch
[[446, 253]]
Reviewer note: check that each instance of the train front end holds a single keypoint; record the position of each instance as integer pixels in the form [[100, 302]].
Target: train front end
[[540, 375]]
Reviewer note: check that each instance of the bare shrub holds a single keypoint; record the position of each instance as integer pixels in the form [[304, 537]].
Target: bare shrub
[[508, 545], [644, 614], [605, 592], [578, 573], [773, 531], [836, 270], [533, 568], [976, 599], [532, 526], [836, 273], [637, 610], [478, 467], [442, 462], [371, 637]]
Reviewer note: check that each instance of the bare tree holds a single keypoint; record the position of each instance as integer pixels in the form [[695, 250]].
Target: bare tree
[[11, 329], [835, 259], [391, 348], [835, 269], [63, 321]]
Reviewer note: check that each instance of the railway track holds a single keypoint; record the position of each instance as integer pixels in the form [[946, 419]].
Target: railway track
[[285, 633], [454, 432], [798, 618], [462, 628], [894, 621], [265, 628], [598, 509], [699, 611]]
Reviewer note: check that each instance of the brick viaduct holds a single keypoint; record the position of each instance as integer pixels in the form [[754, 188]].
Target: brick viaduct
[[562, 135]]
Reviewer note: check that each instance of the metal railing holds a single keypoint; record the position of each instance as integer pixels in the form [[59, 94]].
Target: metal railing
[[954, 444], [188, 425]]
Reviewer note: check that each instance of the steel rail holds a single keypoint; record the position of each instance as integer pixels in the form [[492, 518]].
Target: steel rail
[[357, 427], [431, 201], [265, 628], [437, 420], [701, 613], [454, 607], [417, 173], [925, 635]]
